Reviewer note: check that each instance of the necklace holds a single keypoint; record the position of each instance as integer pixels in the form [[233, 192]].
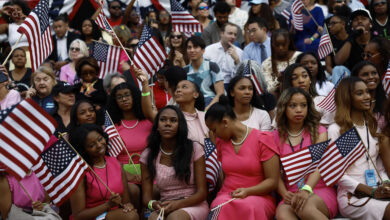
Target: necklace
[[243, 139], [380, 23], [131, 127], [101, 167], [166, 153], [294, 135]]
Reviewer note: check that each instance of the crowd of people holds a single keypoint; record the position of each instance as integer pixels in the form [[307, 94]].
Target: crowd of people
[[205, 93]]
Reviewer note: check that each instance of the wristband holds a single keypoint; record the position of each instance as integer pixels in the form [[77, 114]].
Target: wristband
[[373, 192], [145, 94], [150, 205], [307, 188], [312, 39]]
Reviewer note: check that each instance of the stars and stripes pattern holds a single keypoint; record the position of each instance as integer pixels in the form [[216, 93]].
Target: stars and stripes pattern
[[25, 129], [150, 55], [213, 165], [107, 57], [297, 16], [252, 76], [115, 144], [182, 20], [102, 22], [37, 30], [386, 80], [325, 46], [213, 215], [328, 103], [60, 169], [301, 163], [340, 155], [286, 14]]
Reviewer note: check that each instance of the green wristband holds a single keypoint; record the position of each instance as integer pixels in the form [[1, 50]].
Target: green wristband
[[312, 38], [373, 192], [146, 94], [150, 205], [307, 188]]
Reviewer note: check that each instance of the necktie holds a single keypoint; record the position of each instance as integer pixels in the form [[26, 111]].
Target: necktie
[[263, 53]]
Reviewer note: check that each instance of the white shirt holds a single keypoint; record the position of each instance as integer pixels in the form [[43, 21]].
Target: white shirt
[[238, 17], [62, 49], [217, 54], [325, 89]]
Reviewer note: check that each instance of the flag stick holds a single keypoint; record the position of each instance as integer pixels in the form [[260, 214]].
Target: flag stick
[[222, 204], [24, 189], [12, 50], [123, 144], [90, 168], [330, 39], [308, 11]]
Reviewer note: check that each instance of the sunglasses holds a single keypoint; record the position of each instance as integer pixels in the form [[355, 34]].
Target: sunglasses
[[74, 49], [176, 36], [203, 8], [380, 3], [368, 55], [116, 7], [340, 1]]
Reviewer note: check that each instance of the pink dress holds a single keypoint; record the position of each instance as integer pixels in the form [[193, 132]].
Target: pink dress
[[244, 170], [197, 129], [96, 193], [172, 188], [33, 187], [327, 194], [12, 98]]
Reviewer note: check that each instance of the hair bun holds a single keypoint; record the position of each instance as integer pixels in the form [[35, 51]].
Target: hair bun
[[224, 100]]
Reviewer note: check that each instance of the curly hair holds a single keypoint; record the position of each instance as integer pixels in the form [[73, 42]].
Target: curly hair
[[287, 78], [182, 154], [344, 107], [311, 122], [113, 108], [86, 61]]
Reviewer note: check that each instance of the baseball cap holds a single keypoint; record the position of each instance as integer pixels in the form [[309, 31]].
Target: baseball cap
[[257, 2], [361, 11], [63, 87]]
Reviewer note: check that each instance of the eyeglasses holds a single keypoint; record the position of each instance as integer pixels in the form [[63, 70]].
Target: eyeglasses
[[333, 23], [74, 49], [116, 7], [203, 8], [122, 97], [176, 36], [368, 55], [340, 1], [380, 3], [252, 31]]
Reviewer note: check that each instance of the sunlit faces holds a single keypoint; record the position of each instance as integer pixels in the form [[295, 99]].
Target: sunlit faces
[[60, 28], [257, 34], [243, 91], [361, 99], [297, 107], [310, 62], [185, 92], [124, 99], [229, 35], [86, 28], [203, 10], [176, 39], [88, 73], [43, 83], [95, 144], [370, 76], [168, 124], [300, 78], [194, 52], [86, 113], [74, 51], [19, 58]]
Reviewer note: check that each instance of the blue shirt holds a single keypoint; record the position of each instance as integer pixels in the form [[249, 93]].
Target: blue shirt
[[252, 51]]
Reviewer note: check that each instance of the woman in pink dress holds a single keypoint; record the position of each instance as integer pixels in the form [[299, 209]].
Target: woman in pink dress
[[249, 159], [177, 165], [91, 198], [297, 128]]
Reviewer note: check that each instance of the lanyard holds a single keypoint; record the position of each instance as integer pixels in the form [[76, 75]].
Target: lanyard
[[289, 142], [368, 144]]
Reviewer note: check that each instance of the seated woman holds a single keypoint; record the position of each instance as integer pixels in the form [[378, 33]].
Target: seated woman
[[297, 128], [77, 50], [177, 53], [8, 97], [249, 160], [178, 167], [16, 204], [84, 112], [353, 103], [91, 199], [64, 98]]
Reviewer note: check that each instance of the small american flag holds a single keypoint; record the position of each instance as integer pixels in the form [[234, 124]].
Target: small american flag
[[107, 57], [60, 169], [328, 102], [213, 215], [213, 165], [297, 17], [182, 20], [37, 30], [386, 80], [251, 74], [286, 14], [102, 22], [25, 129], [340, 155], [298, 164], [325, 46], [150, 55], [115, 144]]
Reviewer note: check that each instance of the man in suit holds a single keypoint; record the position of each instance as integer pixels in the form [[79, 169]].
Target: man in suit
[[62, 39]]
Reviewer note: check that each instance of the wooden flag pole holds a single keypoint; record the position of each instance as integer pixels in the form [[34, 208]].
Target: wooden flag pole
[[12, 50], [123, 144], [308, 11], [330, 40], [24, 189]]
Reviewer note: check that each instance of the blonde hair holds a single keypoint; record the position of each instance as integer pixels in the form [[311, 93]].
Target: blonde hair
[[45, 70], [83, 47]]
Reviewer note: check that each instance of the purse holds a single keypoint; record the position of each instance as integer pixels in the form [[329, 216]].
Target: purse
[[133, 168]]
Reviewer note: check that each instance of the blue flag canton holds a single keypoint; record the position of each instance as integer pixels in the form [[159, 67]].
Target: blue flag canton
[[145, 36], [247, 69], [5, 112], [209, 147], [348, 141], [58, 157], [317, 150], [107, 121], [100, 52], [42, 11], [175, 6]]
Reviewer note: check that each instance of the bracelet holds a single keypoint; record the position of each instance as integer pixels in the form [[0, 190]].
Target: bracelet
[[145, 94], [150, 205], [307, 188], [312, 38], [373, 192]]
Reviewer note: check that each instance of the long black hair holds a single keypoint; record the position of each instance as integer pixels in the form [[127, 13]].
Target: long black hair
[[219, 110], [78, 136], [74, 121], [113, 108], [380, 94], [182, 154], [321, 76], [199, 102], [256, 100], [287, 79], [96, 33]]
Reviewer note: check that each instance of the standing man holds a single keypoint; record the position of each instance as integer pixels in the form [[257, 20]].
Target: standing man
[[115, 9], [224, 53]]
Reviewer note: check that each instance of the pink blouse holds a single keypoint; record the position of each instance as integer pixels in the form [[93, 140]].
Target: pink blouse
[[197, 129], [12, 98], [67, 74]]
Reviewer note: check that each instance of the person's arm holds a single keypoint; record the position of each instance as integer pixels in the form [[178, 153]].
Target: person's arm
[[147, 188], [6, 197], [4, 28], [328, 64], [127, 11], [201, 189], [342, 55], [384, 151], [266, 186], [146, 100], [219, 90], [96, 14]]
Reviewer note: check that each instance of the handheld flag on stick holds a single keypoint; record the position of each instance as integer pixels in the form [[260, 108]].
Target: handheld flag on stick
[[107, 57], [213, 165], [328, 103], [182, 20]]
